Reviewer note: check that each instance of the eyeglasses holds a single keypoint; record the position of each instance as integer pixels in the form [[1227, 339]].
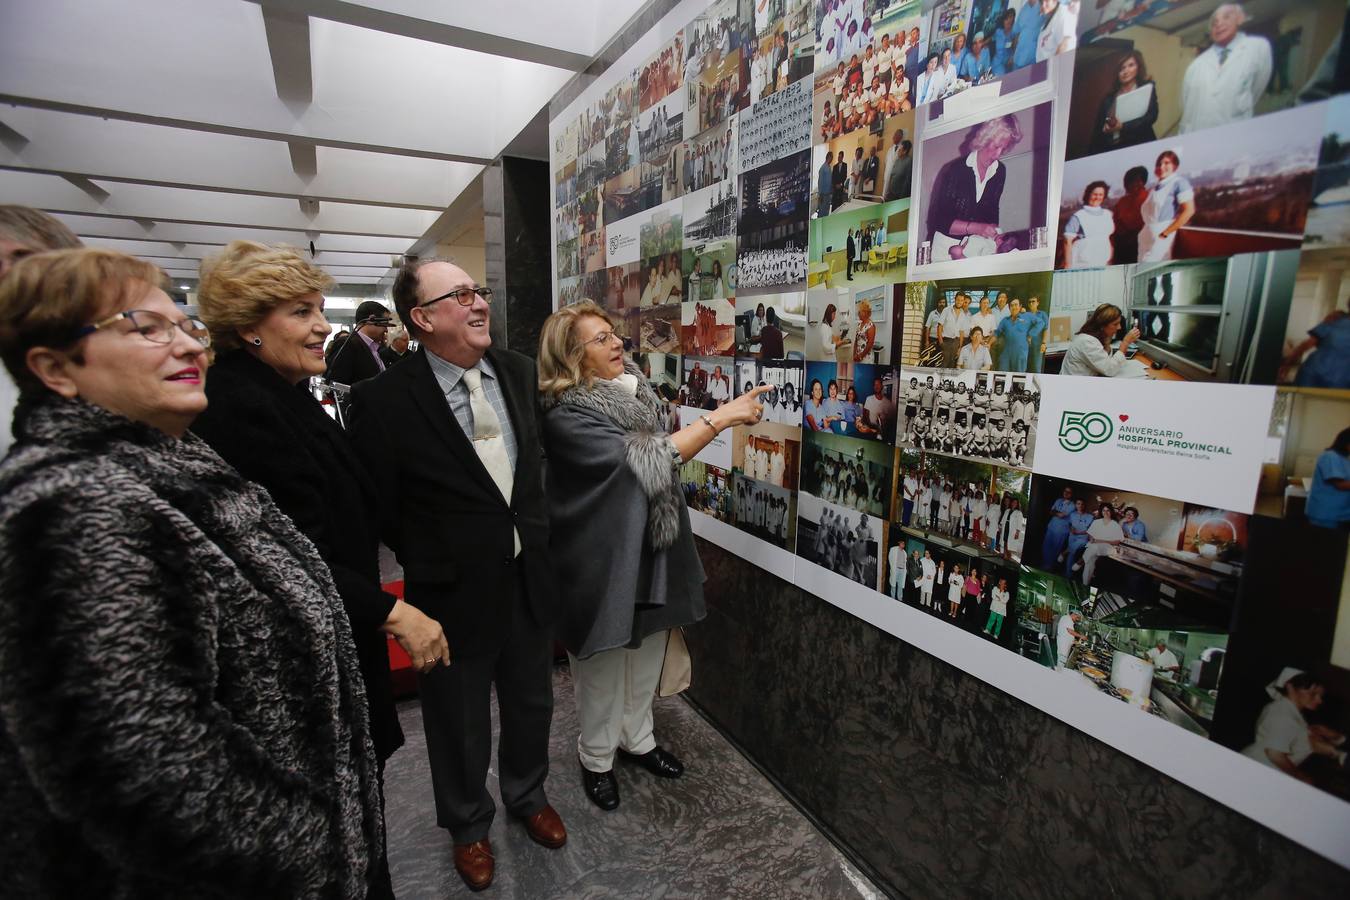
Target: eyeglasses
[[601, 339], [462, 296], [153, 327]]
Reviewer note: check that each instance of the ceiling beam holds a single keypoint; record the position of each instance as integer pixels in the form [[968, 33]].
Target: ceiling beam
[[84, 184], [425, 30], [80, 179], [215, 128], [304, 159], [288, 45]]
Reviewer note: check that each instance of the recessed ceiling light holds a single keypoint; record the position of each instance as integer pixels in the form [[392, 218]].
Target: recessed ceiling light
[[185, 287]]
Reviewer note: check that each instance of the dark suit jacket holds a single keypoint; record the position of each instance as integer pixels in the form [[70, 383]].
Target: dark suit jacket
[[352, 362], [277, 434], [446, 519], [390, 356]]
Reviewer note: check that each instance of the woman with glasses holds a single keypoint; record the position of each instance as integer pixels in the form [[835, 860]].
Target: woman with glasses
[[627, 567], [181, 712], [264, 308]]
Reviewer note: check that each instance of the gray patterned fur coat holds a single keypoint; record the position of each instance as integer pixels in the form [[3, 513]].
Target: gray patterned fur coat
[[181, 713], [619, 530]]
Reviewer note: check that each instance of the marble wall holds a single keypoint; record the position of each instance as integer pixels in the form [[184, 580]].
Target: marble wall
[[518, 250], [941, 785]]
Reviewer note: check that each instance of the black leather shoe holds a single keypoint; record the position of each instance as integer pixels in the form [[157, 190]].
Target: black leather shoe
[[661, 763], [601, 787]]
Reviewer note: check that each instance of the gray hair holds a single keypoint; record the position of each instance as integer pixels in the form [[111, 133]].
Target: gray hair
[[1234, 7]]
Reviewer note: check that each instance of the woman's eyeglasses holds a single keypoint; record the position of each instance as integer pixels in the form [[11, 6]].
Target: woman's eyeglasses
[[153, 327], [462, 296], [602, 339]]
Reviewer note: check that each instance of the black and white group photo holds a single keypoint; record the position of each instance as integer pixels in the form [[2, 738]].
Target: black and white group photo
[[773, 226], [988, 416], [766, 511], [783, 404], [845, 541]]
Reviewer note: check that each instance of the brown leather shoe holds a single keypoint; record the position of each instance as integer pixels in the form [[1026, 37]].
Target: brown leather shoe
[[546, 827], [474, 863]]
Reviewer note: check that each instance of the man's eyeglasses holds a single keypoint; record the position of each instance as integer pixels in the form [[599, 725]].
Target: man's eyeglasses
[[153, 327], [602, 339], [462, 296]]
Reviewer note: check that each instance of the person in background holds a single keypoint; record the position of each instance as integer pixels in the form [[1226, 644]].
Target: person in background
[[1108, 131], [1170, 205], [1059, 29], [450, 439], [1065, 634], [397, 347], [1026, 34], [1080, 520], [1057, 529], [614, 491], [1037, 334], [1328, 503], [929, 85], [852, 412], [866, 336], [814, 410], [825, 340], [974, 356], [1128, 216], [899, 178], [181, 711], [998, 609], [879, 412], [1132, 525], [1284, 739], [264, 308], [1013, 529], [976, 61], [896, 570], [1328, 366], [771, 337], [956, 586], [839, 181], [1165, 662], [1104, 535], [825, 183], [1224, 83], [1013, 334], [940, 585], [1002, 62], [952, 329], [1090, 350], [23, 232], [930, 324], [850, 254], [1087, 234], [968, 191], [359, 358]]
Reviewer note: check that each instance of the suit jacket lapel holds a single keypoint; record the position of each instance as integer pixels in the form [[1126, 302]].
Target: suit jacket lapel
[[426, 391]]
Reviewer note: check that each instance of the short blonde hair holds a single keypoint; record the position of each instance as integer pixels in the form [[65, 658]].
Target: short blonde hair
[[864, 306], [46, 298], [561, 352], [244, 282]]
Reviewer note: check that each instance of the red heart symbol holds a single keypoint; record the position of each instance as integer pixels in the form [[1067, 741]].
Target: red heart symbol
[[1124, 418]]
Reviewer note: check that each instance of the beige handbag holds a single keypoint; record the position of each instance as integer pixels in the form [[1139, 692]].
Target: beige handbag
[[675, 668]]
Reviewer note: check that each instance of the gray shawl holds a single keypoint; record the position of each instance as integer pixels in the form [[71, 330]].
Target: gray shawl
[[620, 535]]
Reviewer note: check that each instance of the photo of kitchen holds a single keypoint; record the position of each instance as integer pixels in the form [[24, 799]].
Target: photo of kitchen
[[1307, 458], [1238, 319], [1284, 696], [953, 583], [1182, 556], [1170, 674]]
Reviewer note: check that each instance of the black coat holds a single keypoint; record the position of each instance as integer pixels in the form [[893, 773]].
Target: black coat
[[277, 434], [1138, 131], [351, 363], [447, 521], [953, 197], [390, 356]]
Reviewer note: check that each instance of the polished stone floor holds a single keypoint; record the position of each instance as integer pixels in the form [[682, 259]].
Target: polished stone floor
[[720, 831]]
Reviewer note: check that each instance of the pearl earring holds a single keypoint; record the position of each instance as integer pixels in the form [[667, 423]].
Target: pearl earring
[[257, 342]]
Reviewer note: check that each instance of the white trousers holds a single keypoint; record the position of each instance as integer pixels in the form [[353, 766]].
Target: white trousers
[[614, 694], [1091, 554]]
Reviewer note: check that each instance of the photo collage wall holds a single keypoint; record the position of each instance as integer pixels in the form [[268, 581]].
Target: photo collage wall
[[1052, 298]]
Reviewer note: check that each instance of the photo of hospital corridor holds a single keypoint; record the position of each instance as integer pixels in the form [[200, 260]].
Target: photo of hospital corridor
[[1219, 319]]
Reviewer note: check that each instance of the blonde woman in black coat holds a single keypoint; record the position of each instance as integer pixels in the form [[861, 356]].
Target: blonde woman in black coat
[[181, 713], [264, 308]]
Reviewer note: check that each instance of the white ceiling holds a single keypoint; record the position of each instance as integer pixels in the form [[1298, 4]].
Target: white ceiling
[[167, 128]]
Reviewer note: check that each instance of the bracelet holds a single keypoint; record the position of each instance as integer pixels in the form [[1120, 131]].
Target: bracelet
[[709, 422]]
